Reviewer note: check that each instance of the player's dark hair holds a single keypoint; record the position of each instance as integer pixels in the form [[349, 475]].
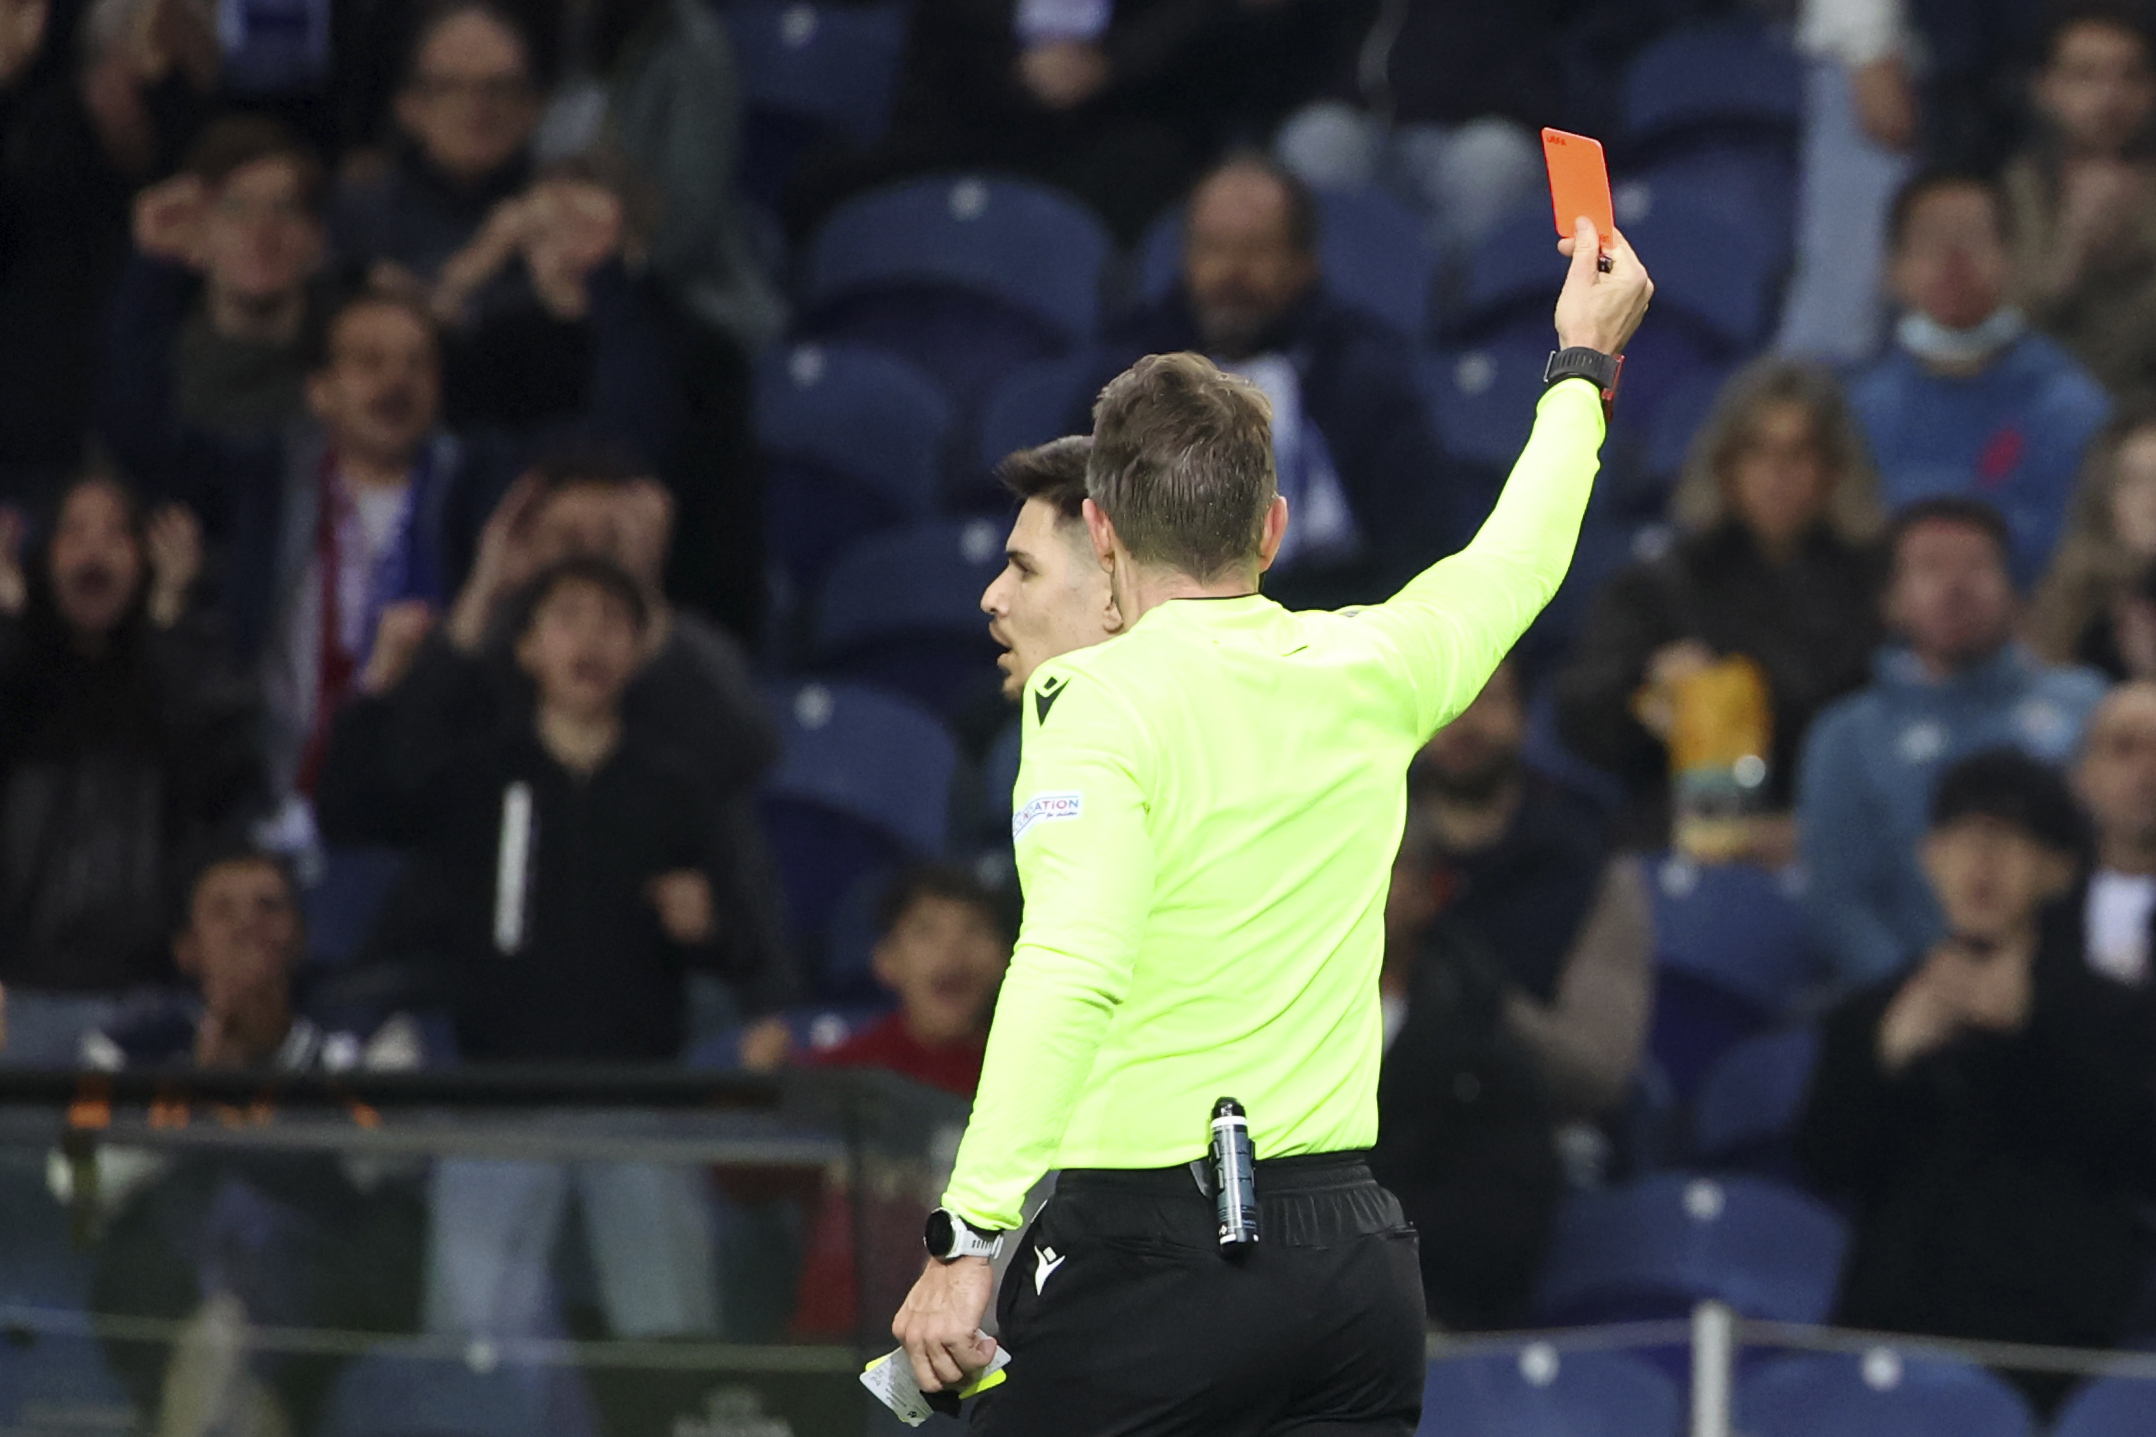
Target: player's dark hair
[[1053, 472]]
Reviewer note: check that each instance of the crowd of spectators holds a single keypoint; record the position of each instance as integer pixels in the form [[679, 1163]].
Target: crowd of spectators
[[377, 473]]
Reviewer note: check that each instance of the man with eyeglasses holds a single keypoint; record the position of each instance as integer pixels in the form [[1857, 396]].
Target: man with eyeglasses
[[514, 265]]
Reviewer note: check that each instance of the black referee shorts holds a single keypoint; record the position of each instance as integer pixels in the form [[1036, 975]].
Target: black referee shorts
[[1123, 1319]]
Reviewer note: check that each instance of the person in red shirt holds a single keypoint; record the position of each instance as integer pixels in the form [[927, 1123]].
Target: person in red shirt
[[945, 944]]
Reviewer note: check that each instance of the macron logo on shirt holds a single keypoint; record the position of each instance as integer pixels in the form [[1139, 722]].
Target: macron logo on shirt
[[1046, 808]]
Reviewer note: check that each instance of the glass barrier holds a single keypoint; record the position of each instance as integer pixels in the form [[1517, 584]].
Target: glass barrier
[[622, 1254]]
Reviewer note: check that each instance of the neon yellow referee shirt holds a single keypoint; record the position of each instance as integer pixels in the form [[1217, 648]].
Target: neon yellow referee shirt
[[1206, 816]]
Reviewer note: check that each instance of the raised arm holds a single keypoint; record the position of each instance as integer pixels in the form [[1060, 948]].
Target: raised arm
[[1455, 621]]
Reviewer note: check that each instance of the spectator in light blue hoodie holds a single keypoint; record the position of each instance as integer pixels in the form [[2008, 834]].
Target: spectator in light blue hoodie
[[1953, 683], [1968, 401]]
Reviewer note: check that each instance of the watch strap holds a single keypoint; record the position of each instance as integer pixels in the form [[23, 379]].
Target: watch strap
[[1602, 370]]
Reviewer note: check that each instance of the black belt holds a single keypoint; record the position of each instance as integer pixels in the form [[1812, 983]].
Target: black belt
[[1277, 1177]]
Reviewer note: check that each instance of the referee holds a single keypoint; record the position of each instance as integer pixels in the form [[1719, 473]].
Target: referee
[[1207, 811]]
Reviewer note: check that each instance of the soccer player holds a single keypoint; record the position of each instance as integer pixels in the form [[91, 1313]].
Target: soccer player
[[1052, 596], [1208, 811]]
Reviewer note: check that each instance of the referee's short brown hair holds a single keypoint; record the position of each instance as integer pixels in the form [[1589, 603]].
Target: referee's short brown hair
[[1183, 464], [1053, 473]]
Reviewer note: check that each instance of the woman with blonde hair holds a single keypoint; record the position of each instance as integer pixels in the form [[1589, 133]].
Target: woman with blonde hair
[[1776, 515], [2097, 606]]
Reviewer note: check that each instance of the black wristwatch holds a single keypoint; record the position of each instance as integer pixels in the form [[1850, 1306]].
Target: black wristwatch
[[1583, 363], [950, 1237]]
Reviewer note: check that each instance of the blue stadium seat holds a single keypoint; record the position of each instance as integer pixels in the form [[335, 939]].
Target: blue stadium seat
[[53, 1375], [1721, 276], [1685, 407], [1481, 397], [1371, 250], [902, 609], [1517, 267], [1748, 183], [1883, 1393], [853, 441], [1737, 926], [1712, 77], [968, 276], [1748, 1105], [1732, 953], [342, 904], [2110, 1407], [863, 785], [1540, 1392], [58, 1382], [1034, 405], [810, 72], [1658, 1246]]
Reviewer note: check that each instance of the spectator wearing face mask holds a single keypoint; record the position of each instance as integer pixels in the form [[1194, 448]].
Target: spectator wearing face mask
[[2083, 196], [1361, 474], [1951, 682], [1969, 402], [125, 738], [239, 234]]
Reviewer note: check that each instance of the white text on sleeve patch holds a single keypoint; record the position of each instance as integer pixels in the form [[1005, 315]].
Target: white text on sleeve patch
[[1045, 808]]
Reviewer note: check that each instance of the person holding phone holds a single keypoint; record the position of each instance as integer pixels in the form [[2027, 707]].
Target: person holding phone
[[1989, 1114]]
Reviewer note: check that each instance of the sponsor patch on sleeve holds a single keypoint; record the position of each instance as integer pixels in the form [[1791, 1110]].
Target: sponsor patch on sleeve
[[1045, 808]]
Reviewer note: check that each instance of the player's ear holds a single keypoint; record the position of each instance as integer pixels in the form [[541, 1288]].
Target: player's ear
[[1102, 531], [1276, 530]]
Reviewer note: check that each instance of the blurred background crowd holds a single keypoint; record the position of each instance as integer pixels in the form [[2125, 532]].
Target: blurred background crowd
[[496, 498]]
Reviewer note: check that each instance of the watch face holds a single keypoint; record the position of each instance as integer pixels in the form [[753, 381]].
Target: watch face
[[939, 1235]]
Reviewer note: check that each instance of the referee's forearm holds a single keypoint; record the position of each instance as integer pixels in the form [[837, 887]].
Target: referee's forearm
[[1050, 1022]]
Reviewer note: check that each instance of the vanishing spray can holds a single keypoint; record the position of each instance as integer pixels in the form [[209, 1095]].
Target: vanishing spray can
[[1235, 1175]]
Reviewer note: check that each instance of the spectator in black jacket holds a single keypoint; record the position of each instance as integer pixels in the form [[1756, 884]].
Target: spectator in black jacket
[[125, 737], [96, 100], [1990, 1115], [1368, 496], [564, 889], [1774, 561], [1518, 965], [694, 693]]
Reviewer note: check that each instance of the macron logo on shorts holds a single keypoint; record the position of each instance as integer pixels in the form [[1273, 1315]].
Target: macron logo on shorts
[[1046, 808], [1045, 1262]]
